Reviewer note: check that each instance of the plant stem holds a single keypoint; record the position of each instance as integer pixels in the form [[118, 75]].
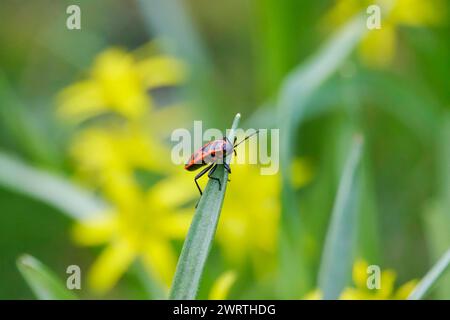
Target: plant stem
[[201, 233]]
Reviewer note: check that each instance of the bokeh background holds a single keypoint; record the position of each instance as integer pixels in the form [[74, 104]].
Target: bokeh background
[[95, 108]]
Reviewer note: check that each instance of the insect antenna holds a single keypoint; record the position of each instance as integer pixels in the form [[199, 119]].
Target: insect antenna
[[246, 138]]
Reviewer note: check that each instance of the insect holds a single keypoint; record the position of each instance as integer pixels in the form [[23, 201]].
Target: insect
[[211, 154]]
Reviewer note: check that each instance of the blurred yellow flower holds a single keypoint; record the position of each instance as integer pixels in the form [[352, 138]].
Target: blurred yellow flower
[[302, 172], [118, 83], [378, 48], [387, 281], [250, 215], [142, 221], [313, 295], [222, 286], [104, 155], [140, 224], [362, 292]]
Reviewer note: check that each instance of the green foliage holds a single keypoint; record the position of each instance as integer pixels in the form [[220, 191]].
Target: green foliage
[[427, 282], [337, 256], [49, 188], [42, 281], [293, 102]]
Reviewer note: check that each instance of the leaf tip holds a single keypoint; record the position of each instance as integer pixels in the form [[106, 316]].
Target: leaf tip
[[25, 260]]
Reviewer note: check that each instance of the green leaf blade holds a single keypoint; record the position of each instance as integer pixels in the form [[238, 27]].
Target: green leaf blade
[[337, 258], [293, 107], [201, 233], [427, 282], [48, 188], [42, 281]]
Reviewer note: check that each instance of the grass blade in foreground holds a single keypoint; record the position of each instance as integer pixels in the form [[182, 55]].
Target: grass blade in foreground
[[431, 277], [48, 188], [293, 102], [201, 233], [336, 265], [44, 284]]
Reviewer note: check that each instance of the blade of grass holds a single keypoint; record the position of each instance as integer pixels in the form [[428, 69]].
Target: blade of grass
[[42, 281], [336, 265], [293, 101], [48, 188], [427, 282], [437, 213], [299, 87], [437, 221], [201, 233]]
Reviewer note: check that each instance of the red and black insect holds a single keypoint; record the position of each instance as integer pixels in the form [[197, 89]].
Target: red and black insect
[[211, 154]]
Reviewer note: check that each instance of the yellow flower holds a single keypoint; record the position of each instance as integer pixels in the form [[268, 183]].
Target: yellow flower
[[250, 215], [379, 46], [141, 224], [361, 291], [106, 156], [118, 83], [301, 172], [142, 221], [222, 286], [385, 292], [313, 295]]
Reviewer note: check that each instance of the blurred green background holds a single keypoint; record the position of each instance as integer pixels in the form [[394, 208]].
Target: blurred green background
[[240, 57]]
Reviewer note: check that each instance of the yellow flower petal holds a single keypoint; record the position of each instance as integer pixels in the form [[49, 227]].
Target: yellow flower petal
[[301, 172], [173, 191], [120, 81], [359, 273], [404, 291], [81, 100], [377, 49], [110, 266], [419, 12], [387, 284], [386, 291], [160, 257], [237, 233], [175, 226], [342, 11], [222, 285], [161, 71], [313, 295], [95, 231], [355, 294]]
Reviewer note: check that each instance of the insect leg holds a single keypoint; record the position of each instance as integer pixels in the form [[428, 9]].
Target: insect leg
[[198, 176], [227, 167], [214, 178]]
